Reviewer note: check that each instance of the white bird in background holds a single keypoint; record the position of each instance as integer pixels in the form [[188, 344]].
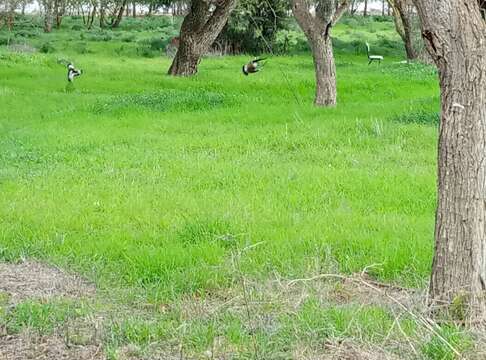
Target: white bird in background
[[72, 72]]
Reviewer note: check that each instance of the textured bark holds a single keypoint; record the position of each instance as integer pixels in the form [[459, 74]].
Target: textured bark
[[317, 28], [403, 15], [325, 69], [199, 30], [455, 35]]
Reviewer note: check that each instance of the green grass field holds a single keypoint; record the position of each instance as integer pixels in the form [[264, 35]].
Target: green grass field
[[152, 186]]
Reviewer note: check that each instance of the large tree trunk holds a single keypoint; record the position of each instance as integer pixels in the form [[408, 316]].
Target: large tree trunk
[[199, 30], [325, 70], [317, 29], [455, 35]]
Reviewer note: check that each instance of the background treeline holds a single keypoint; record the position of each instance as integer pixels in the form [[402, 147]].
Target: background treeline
[[146, 28]]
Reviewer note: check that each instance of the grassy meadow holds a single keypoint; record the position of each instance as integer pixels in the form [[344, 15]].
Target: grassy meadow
[[173, 191]]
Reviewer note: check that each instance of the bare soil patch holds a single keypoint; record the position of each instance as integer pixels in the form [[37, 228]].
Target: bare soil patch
[[31, 346], [34, 280]]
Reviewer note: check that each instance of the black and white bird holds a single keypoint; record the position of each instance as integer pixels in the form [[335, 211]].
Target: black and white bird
[[253, 66], [72, 72]]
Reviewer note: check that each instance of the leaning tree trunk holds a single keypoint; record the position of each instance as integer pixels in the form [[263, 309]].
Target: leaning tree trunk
[[199, 30], [316, 25], [455, 35], [403, 17], [116, 23]]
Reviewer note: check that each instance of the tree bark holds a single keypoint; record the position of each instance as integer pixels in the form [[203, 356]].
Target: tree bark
[[199, 30], [59, 9], [403, 17], [102, 15], [116, 23], [48, 18], [317, 29], [365, 12], [325, 69], [455, 36]]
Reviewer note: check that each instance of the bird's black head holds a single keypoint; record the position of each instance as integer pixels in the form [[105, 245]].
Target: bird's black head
[[244, 70]]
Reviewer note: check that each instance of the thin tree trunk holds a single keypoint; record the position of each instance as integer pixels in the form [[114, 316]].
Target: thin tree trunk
[[59, 8], [317, 29], [455, 35], [102, 15], [119, 16], [199, 30], [403, 17], [134, 9], [365, 12], [48, 16], [91, 17]]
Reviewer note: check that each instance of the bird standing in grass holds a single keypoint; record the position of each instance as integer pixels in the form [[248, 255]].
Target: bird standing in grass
[[253, 66], [72, 72]]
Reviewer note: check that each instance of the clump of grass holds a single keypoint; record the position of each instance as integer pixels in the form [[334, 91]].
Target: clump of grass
[[197, 231], [5, 39], [167, 100], [82, 48], [128, 38], [420, 116], [40, 316], [446, 342], [47, 47]]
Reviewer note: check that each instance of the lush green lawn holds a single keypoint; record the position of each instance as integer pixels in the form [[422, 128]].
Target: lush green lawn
[[139, 180], [155, 180]]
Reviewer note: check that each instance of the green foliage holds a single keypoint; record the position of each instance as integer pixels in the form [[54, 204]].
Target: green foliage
[[440, 346], [47, 47], [82, 48], [5, 39], [77, 27], [419, 116], [146, 23], [128, 38], [166, 100], [26, 33], [253, 26], [290, 41], [99, 35], [40, 316]]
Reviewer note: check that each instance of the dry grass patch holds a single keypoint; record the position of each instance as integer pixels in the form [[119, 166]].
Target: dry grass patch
[[34, 280], [28, 345]]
